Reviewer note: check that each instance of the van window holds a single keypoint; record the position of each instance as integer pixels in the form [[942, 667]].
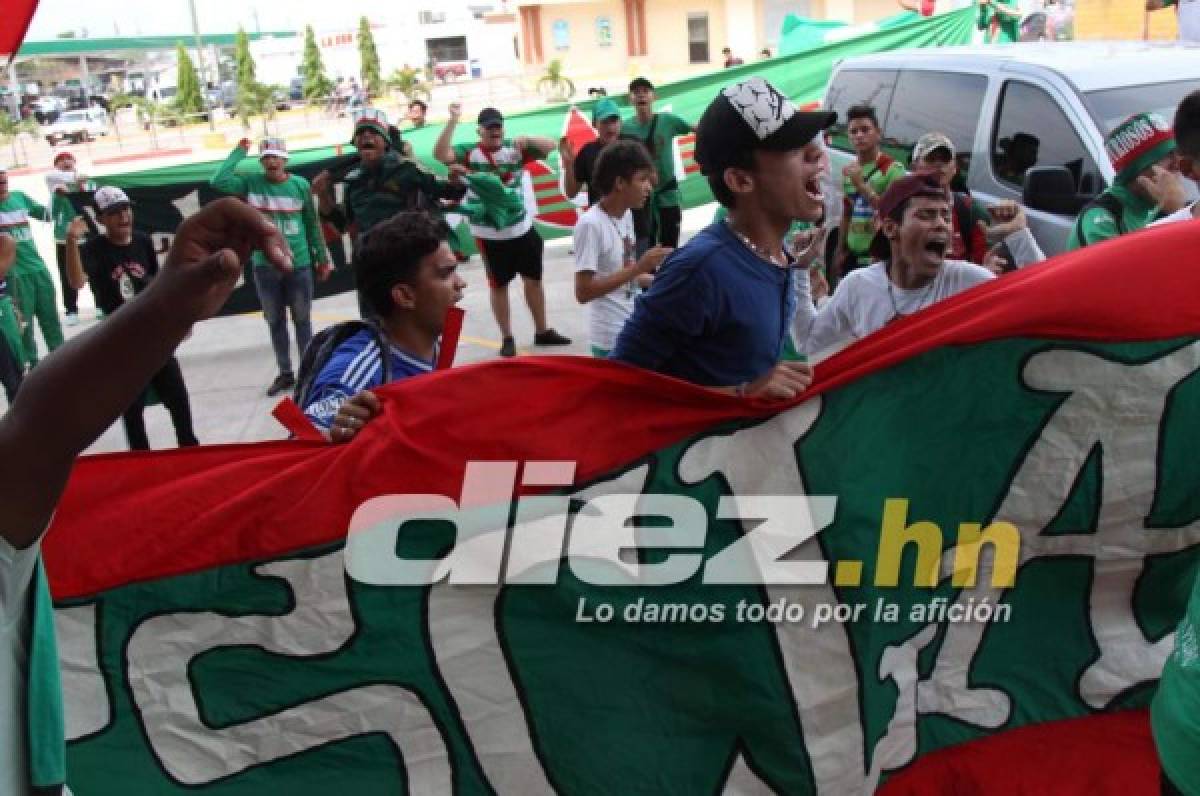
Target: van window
[[1032, 130], [934, 101], [854, 87]]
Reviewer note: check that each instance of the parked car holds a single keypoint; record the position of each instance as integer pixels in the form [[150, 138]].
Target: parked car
[[296, 89], [77, 126], [1028, 120]]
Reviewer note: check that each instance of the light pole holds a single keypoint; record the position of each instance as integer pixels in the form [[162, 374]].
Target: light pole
[[203, 67]]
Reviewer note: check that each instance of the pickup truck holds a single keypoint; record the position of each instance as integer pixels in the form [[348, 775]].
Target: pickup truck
[[1028, 120], [77, 126]]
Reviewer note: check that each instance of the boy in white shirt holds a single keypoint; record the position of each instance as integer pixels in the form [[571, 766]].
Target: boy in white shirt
[[910, 271], [607, 274]]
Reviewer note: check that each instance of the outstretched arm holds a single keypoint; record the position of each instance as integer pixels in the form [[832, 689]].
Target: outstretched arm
[[48, 425]]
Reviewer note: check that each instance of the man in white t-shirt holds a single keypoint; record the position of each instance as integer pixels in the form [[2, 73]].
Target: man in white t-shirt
[[910, 271], [1187, 14], [48, 426], [607, 275]]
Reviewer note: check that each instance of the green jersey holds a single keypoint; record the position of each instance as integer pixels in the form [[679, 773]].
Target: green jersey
[[857, 208], [15, 212], [1175, 712], [289, 205], [658, 135], [999, 28], [1098, 223]]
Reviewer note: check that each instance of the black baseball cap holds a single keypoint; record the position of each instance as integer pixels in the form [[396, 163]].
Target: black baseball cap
[[752, 115], [922, 183], [640, 82], [490, 116]]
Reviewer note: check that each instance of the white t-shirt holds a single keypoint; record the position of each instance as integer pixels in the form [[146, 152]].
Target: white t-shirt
[[1189, 20], [605, 245], [16, 579], [863, 303]]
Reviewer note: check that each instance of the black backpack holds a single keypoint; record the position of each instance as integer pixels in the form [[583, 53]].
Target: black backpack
[[320, 349], [1109, 203]]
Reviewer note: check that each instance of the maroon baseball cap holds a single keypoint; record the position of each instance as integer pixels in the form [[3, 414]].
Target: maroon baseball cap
[[923, 184]]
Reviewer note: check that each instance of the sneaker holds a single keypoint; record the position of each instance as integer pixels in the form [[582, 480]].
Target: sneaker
[[508, 348], [550, 337], [72, 319], [283, 381]]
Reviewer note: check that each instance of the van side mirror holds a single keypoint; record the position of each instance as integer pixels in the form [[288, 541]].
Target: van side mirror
[[1051, 189]]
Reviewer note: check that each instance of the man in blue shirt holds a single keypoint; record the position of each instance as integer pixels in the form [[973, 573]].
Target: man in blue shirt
[[409, 278], [722, 306]]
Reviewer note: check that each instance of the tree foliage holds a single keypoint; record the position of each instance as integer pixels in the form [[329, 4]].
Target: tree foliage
[[316, 83], [369, 57], [188, 98]]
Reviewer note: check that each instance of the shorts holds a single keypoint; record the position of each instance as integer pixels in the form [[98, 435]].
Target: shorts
[[504, 259]]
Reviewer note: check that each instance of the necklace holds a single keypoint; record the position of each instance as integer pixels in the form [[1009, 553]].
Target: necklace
[[778, 262], [921, 300]]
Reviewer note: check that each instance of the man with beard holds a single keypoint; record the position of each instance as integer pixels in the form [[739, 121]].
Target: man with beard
[[286, 199], [515, 248], [721, 308], [911, 271], [120, 264]]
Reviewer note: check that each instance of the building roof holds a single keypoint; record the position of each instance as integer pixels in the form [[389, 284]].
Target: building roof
[[61, 47]]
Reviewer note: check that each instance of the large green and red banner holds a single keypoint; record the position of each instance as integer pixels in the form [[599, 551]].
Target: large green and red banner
[[565, 575]]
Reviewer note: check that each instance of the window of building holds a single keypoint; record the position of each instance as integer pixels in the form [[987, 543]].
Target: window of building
[[698, 38], [450, 48], [925, 102], [858, 87], [560, 32], [1032, 130], [431, 17], [604, 34]]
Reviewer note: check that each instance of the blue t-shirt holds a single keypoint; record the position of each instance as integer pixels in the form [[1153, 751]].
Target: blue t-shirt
[[356, 365], [716, 315]]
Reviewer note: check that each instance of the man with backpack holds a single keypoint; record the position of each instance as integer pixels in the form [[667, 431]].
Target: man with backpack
[[408, 276], [1000, 231], [1147, 185], [660, 221], [864, 180]]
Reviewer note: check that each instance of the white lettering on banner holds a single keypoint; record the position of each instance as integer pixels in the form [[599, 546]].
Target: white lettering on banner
[[465, 638], [817, 661], [161, 651], [85, 697], [1118, 407]]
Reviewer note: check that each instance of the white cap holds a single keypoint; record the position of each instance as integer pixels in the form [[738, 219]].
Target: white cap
[[273, 146], [110, 198]]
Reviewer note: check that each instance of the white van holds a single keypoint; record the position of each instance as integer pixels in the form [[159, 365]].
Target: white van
[[1028, 120]]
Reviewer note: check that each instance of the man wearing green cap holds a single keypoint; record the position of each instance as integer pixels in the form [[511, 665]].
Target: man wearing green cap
[[1147, 183], [578, 167]]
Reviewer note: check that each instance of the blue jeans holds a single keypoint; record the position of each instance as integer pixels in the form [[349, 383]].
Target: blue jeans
[[279, 292]]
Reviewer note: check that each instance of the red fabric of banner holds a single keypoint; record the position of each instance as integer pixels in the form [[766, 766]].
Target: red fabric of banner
[[1103, 755], [14, 22], [133, 517]]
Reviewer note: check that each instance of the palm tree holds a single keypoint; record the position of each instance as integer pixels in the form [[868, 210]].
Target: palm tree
[[407, 81], [554, 85]]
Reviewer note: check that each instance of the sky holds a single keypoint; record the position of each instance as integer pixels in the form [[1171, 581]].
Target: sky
[[166, 17]]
